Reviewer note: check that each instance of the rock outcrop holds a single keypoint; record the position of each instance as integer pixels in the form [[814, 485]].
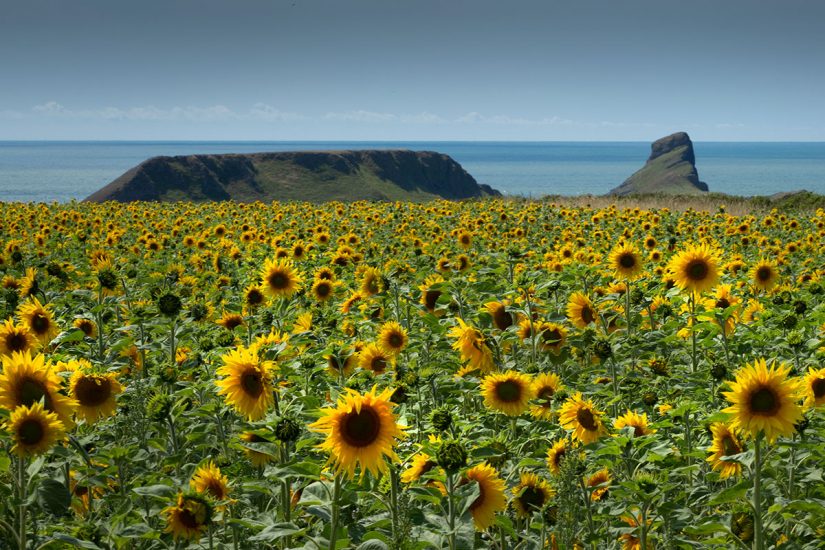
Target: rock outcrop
[[314, 176], [671, 169]]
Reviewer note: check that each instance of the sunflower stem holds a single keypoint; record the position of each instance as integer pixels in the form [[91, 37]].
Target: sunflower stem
[[758, 543], [22, 485], [450, 511], [396, 539], [336, 495], [692, 301], [172, 343], [627, 306]]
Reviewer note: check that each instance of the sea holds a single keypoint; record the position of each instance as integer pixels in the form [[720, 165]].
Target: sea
[[62, 171]]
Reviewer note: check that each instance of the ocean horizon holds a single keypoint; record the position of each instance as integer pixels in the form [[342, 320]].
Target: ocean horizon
[[61, 171]]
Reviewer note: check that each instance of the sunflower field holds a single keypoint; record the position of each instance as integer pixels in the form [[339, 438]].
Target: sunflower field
[[503, 374]]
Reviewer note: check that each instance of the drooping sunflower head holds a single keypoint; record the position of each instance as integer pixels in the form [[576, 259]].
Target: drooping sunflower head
[[27, 380], [599, 484], [814, 386], [625, 261], [360, 431], [545, 387], [507, 392], [375, 359], [190, 517], [247, 382], [764, 399], [502, 319], [279, 278], [256, 456], [555, 454], [86, 326], [94, 392], [392, 337], [420, 464], [372, 282], [16, 338], [209, 480], [582, 418], [34, 430], [531, 494], [552, 336], [230, 321], [764, 275], [580, 310], [695, 269], [634, 420], [431, 292], [470, 343], [39, 319], [491, 497], [725, 443]]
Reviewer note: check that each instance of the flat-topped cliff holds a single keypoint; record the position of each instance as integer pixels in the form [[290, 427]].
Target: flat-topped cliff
[[314, 176]]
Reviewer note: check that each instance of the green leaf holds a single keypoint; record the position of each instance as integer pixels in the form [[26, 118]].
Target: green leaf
[[373, 544], [732, 494], [157, 491], [76, 542], [54, 497], [276, 532]]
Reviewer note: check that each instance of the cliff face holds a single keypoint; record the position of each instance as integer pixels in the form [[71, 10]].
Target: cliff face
[[670, 169], [305, 176]]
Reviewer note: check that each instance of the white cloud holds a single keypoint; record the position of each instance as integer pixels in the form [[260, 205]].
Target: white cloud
[[361, 116]]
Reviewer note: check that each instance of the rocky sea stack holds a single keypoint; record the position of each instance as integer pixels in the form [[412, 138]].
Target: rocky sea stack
[[314, 176], [670, 169]]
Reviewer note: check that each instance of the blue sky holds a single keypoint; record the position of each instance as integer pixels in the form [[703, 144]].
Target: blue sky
[[412, 70]]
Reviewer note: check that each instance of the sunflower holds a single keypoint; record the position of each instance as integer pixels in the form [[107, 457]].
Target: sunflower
[[753, 311], [247, 382], [695, 269], [814, 385], [582, 418], [472, 347], [502, 319], [507, 392], [580, 310], [373, 358], [421, 464], [94, 393], [625, 261], [430, 292], [360, 430], [545, 386], [258, 458], [189, 517], [209, 480], [34, 430], [725, 443], [764, 399], [555, 455], [718, 304], [531, 494], [280, 278], [28, 283], [491, 497], [16, 338], [633, 420], [392, 338], [372, 282], [552, 336], [629, 540], [764, 275], [27, 380], [39, 319], [599, 483], [323, 289], [86, 326], [253, 296]]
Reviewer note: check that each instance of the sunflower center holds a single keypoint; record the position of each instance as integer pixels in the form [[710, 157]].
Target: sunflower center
[[395, 340], [627, 261], [818, 387], [763, 273], [378, 364], [252, 383], [532, 498], [361, 429], [92, 391], [558, 457], [587, 315], [278, 280], [508, 391], [254, 297], [638, 431], [546, 393], [322, 290], [215, 488], [40, 323], [730, 446], [502, 318], [722, 303], [30, 431], [16, 342], [586, 419], [30, 392], [430, 298], [697, 270], [188, 519], [552, 336], [480, 499], [764, 401]]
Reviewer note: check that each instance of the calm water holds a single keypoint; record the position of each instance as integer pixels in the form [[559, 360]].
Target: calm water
[[62, 171]]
